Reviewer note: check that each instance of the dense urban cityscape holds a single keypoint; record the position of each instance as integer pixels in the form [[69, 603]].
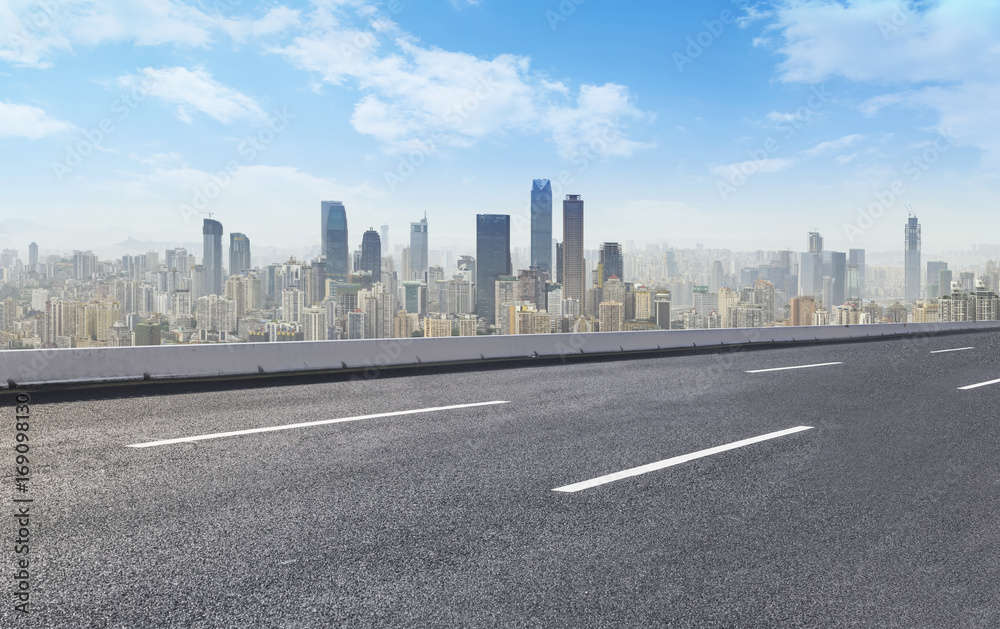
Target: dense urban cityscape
[[82, 301]]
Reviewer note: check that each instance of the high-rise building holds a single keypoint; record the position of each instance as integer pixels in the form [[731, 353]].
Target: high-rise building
[[334, 240], [810, 274], [212, 256], [802, 310], [492, 260], [944, 282], [611, 261], [33, 257], [811, 267], [239, 254], [856, 257], [371, 254], [912, 261], [559, 263], [815, 243], [147, 334], [611, 316], [853, 288], [385, 237], [314, 324], [8, 257], [717, 277], [934, 288], [572, 280], [541, 225], [415, 297], [967, 280], [835, 268], [292, 304], [84, 264], [418, 249], [662, 316]]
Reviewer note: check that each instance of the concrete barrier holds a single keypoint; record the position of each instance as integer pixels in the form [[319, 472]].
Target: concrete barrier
[[109, 364]]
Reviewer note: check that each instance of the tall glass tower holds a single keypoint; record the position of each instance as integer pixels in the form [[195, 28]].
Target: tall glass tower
[[371, 254], [912, 260], [212, 256], [573, 248], [334, 240], [541, 225], [856, 257], [239, 253], [835, 268], [612, 262], [492, 260], [418, 249]]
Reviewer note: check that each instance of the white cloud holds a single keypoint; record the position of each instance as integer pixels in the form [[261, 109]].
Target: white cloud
[[195, 90], [595, 122], [750, 15], [766, 166], [277, 20], [419, 95], [777, 116], [860, 40], [845, 159], [32, 33], [873, 106], [834, 145], [25, 121], [943, 56]]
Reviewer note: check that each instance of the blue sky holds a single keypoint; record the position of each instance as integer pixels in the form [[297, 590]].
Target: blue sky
[[733, 124]]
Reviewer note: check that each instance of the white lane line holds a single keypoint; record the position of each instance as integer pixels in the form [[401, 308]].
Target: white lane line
[[958, 349], [789, 368], [323, 422], [677, 460], [981, 384]]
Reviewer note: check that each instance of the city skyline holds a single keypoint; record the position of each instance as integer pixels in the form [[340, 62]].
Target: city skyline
[[743, 117]]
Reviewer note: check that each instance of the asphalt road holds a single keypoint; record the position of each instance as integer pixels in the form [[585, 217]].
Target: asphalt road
[[883, 514]]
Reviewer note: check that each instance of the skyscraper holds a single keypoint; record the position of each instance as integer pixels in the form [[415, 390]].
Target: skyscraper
[[856, 257], [385, 238], [371, 254], [611, 261], [835, 268], [492, 260], [334, 241], [239, 253], [33, 256], [815, 243], [418, 249], [717, 277], [559, 264], [934, 288], [573, 248], [811, 267], [212, 256], [944, 282], [912, 261], [541, 225]]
